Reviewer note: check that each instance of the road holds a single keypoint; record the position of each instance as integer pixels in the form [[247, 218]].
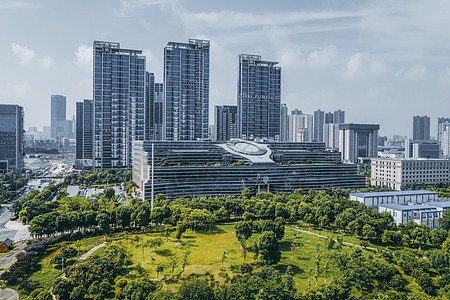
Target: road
[[13, 230]]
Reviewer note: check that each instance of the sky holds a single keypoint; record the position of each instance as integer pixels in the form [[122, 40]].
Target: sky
[[381, 61]]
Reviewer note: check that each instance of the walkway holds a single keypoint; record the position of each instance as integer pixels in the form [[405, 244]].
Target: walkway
[[9, 294], [86, 255], [325, 237]]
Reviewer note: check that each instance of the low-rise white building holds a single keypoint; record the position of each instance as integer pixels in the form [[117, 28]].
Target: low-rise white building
[[421, 213], [397, 172], [375, 199]]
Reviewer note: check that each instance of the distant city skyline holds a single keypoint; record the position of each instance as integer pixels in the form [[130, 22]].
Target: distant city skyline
[[380, 62]]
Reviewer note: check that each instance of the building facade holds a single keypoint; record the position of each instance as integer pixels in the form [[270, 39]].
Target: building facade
[[186, 90], [59, 126], [375, 199], [119, 104], [225, 120], [200, 168], [421, 128], [422, 149], [11, 138], [397, 172], [331, 135], [84, 134], [358, 140], [319, 121], [258, 99], [284, 123], [300, 128]]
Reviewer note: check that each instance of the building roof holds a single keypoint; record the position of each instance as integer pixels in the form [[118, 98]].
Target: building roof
[[407, 207], [443, 204], [7, 242], [393, 193]]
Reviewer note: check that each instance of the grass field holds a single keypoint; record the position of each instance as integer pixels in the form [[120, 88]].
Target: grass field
[[204, 251]]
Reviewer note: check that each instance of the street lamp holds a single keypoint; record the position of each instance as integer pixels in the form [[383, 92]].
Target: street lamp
[[62, 263]]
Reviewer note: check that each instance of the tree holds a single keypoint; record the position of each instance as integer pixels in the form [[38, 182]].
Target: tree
[[184, 260], [103, 221], [243, 232], [159, 269], [157, 215], [444, 221], [369, 232], [279, 227], [196, 289], [123, 216], [167, 229], [109, 192], [269, 248], [173, 262], [181, 228], [224, 255], [420, 235], [246, 193]]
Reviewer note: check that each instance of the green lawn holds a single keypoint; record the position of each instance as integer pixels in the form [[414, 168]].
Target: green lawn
[[205, 254], [206, 249]]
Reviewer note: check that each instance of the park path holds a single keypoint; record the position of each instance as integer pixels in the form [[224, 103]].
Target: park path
[[86, 255], [81, 259], [325, 237], [9, 294]]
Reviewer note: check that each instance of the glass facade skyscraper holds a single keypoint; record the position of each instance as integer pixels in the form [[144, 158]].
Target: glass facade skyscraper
[[119, 104], [259, 98], [186, 90], [225, 122], [11, 137], [84, 133], [58, 124]]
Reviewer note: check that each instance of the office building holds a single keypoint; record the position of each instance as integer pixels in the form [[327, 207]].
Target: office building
[[375, 199], [186, 89], [445, 138], [59, 126], [200, 168], [149, 105], [158, 111], [11, 138], [225, 120], [339, 117], [358, 140], [319, 120], [421, 128], [442, 122], [84, 134], [154, 102], [394, 173], [284, 123], [119, 104], [300, 128], [422, 149], [331, 135], [322, 118], [259, 98], [427, 214], [443, 131]]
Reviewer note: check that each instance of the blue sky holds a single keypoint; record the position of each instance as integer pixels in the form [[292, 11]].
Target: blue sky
[[380, 61]]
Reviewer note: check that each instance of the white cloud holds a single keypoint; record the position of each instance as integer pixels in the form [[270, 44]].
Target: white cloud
[[354, 66], [27, 56], [378, 68], [84, 56], [46, 62], [322, 58], [414, 73], [23, 53]]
